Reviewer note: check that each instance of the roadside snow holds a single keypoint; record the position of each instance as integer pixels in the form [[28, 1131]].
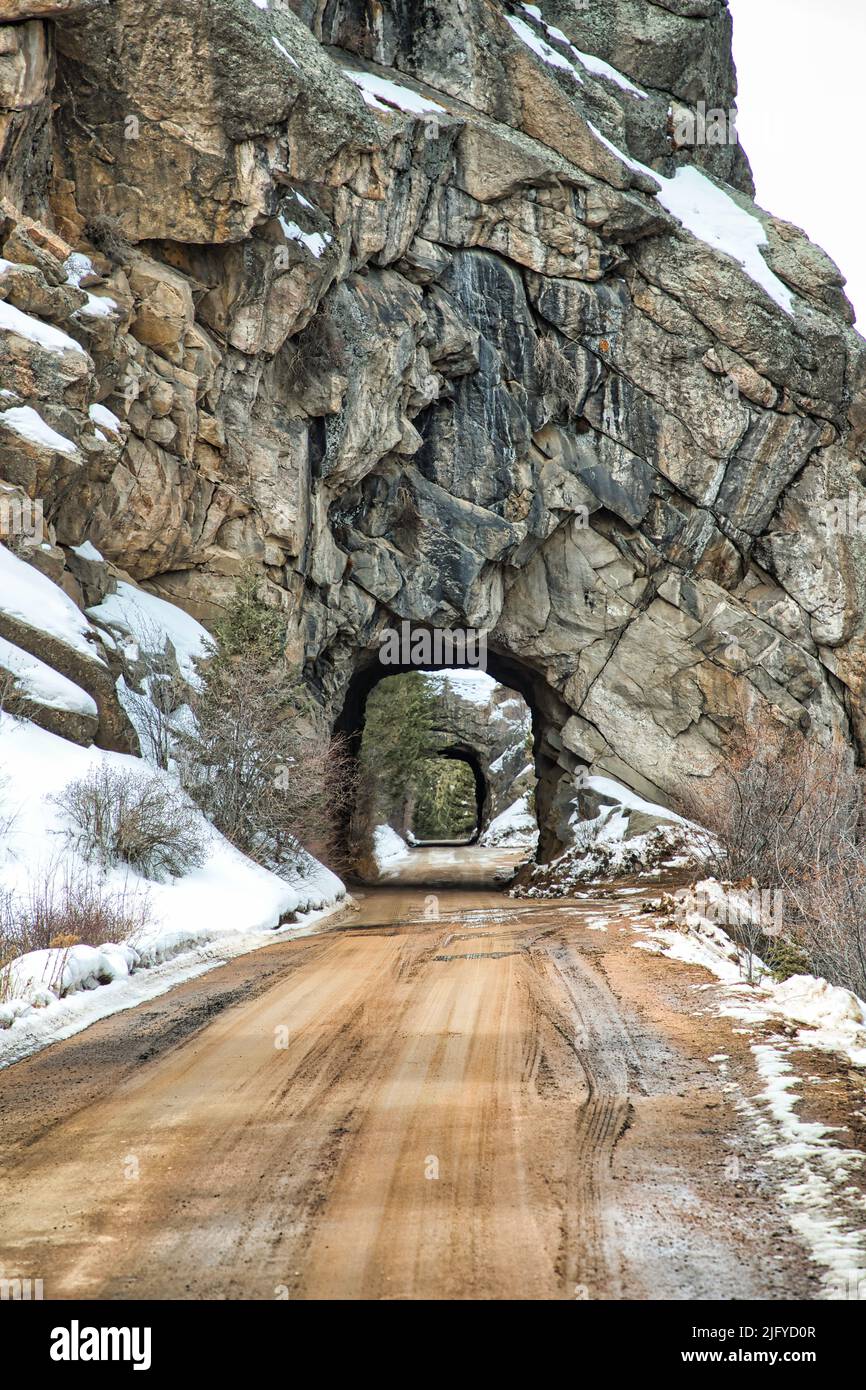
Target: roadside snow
[[226, 906], [388, 847], [813, 1172]]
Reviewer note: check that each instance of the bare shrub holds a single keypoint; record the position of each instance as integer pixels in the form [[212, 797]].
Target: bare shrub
[[154, 692], [106, 233], [123, 817], [779, 805], [64, 907], [787, 812]]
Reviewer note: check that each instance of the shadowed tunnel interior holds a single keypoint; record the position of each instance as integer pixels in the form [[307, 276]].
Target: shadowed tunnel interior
[[517, 685]]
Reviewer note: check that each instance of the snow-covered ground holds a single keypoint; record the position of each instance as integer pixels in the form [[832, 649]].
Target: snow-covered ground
[[388, 848], [223, 906], [513, 828], [823, 1207]]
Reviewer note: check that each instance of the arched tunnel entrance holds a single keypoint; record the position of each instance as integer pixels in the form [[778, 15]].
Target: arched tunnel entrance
[[550, 764]]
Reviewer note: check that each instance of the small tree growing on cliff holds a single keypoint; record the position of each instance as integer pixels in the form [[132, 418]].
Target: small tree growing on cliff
[[258, 765]]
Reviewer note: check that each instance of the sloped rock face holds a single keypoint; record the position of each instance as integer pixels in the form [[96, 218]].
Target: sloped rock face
[[403, 312]]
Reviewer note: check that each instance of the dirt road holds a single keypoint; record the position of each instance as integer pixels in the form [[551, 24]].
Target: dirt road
[[505, 1102]]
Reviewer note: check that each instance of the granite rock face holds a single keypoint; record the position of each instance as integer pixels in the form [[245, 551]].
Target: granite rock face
[[423, 309]]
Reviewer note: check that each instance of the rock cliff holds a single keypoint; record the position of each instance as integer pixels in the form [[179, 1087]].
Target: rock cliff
[[454, 313]]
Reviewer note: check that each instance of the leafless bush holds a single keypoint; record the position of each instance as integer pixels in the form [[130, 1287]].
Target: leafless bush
[[779, 805], [260, 769], [559, 380], [123, 817], [64, 907], [787, 813], [106, 233]]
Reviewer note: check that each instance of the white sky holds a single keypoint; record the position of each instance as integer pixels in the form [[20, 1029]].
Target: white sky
[[800, 65]]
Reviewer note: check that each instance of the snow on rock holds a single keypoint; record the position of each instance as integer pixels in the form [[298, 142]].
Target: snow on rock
[[149, 621], [388, 847], [27, 422], [472, 685], [45, 335], [624, 797], [101, 415], [281, 48], [539, 47], [316, 242], [382, 94], [513, 828], [42, 684], [714, 217], [29, 596], [597, 66]]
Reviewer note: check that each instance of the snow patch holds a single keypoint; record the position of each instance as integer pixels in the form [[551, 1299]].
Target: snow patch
[[32, 598], [45, 335], [382, 94], [149, 621], [28, 423], [715, 218]]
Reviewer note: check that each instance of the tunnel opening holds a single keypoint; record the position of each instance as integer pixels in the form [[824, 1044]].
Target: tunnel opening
[[450, 808], [541, 763]]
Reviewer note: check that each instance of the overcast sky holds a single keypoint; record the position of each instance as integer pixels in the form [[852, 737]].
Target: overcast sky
[[802, 83]]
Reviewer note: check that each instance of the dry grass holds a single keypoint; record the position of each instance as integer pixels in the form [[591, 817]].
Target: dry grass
[[62, 908]]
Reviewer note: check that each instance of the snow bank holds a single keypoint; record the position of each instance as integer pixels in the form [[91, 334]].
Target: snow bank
[[811, 1169], [149, 621], [226, 906], [388, 847], [833, 1019], [513, 828], [32, 598]]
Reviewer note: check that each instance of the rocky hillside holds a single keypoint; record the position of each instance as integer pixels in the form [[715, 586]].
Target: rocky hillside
[[445, 313]]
